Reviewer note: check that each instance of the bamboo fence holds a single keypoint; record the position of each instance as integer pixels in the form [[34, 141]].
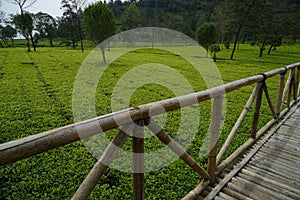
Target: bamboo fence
[[288, 92]]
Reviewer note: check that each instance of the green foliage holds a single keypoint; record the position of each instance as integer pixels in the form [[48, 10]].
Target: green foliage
[[36, 96], [99, 22], [131, 18], [46, 25], [206, 35], [215, 48], [24, 24]]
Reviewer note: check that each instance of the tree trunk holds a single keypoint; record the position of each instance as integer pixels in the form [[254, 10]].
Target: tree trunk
[[1, 45], [263, 45], [28, 44], [240, 28], [80, 33], [33, 43], [102, 47], [236, 39], [270, 49], [73, 44], [51, 42]]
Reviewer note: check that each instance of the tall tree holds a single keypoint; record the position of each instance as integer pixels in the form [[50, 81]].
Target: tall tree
[[46, 25], [131, 17], [99, 24], [24, 24], [236, 13], [206, 35], [22, 4], [73, 10]]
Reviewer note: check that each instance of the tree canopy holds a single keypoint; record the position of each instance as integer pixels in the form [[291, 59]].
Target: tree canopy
[[99, 24]]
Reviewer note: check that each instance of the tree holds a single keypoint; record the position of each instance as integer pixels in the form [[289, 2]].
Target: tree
[[73, 11], [8, 33], [131, 17], [273, 22], [23, 4], [99, 24], [24, 24], [215, 48], [236, 14], [206, 35], [46, 25]]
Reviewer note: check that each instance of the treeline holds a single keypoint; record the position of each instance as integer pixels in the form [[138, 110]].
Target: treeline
[[265, 23]]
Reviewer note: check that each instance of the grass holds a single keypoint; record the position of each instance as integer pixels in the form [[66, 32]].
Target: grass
[[36, 96]]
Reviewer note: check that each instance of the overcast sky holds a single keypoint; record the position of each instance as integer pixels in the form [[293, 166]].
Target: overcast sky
[[51, 7]]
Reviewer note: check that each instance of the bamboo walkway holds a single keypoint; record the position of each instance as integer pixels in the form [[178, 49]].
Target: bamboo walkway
[[269, 169]]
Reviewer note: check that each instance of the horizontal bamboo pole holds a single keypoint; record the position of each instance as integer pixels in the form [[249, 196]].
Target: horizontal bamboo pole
[[33, 145]]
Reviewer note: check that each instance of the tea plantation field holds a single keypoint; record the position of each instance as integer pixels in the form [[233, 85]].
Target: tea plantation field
[[36, 96]]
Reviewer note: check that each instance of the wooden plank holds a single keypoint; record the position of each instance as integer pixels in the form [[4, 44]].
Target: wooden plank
[[244, 191], [276, 189], [277, 167], [279, 158], [258, 189], [270, 181], [235, 194], [272, 176], [280, 152], [225, 196], [276, 171]]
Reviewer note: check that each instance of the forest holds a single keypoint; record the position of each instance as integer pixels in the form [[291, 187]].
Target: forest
[[265, 23]]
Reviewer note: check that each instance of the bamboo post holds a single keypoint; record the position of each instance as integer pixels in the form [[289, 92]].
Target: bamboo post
[[256, 112], [287, 89], [269, 100], [214, 137], [290, 87], [100, 167], [297, 83], [167, 140], [280, 94], [238, 123], [138, 161]]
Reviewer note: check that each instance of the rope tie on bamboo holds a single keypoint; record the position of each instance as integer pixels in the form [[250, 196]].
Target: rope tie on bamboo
[[265, 77], [284, 73]]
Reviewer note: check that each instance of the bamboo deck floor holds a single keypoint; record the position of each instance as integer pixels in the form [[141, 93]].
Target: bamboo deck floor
[[270, 169]]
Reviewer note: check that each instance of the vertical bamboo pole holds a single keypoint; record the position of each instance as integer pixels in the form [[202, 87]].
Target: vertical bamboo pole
[[290, 87], [214, 137], [100, 167], [138, 161], [297, 83], [280, 94], [256, 112]]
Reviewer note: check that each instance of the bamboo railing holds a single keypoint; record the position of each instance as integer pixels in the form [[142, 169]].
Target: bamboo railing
[[287, 92]]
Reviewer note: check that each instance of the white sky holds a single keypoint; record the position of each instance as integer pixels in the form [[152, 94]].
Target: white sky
[[51, 7]]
